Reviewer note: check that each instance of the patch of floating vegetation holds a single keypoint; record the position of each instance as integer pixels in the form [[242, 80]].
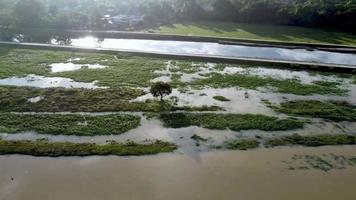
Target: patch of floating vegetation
[[312, 141], [292, 86], [242, 144], [333, 110], [198, 139], [221, 98], [325, 162], [16, 99], [69, 124], [235, 122], [47, 82], [55, 149]]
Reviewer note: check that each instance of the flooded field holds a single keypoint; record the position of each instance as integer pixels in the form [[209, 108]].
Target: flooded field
[[93, 104], [257, 174]]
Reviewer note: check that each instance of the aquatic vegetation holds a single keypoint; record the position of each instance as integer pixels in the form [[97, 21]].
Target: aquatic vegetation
[[187, 67], [221, 98], [292, 86], [313, 141], [234, 122], [55, 149], [69, 124], [333, 110], [242, 144], [198, 138]]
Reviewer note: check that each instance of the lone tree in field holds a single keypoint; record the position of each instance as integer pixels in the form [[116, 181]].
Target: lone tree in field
[[160, 89]]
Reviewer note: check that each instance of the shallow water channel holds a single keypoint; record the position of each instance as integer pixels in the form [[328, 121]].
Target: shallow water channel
[[216, 49]]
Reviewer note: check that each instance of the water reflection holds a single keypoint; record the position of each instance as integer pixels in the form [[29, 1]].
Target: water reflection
[[46, 82], [216, 49]]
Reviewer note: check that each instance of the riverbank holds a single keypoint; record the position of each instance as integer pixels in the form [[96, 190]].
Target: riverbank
[[291, 34]]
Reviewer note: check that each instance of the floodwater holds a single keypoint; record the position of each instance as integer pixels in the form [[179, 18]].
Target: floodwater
[[248, 175], [216, 49], [46, 82], [64, 67], [238, 102]]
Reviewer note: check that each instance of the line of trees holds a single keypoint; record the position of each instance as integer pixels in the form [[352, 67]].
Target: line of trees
[[88, 14]]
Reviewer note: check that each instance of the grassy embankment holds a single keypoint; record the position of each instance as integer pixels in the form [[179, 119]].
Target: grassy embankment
[[82, 125], [259, 32], [332, 110], [55, 149]]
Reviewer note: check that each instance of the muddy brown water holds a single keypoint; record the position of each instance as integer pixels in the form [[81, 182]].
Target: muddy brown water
[[250, 175]]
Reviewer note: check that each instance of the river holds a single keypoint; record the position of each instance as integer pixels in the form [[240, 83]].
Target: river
[[248, 175]]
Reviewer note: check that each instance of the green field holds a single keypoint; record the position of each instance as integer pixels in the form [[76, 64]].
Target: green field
[[259, 32]]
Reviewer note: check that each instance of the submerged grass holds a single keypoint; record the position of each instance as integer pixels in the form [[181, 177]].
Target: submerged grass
[[55, 149], [293, 86], [55, 124], [312, 141], [333, 110], [234, 122]]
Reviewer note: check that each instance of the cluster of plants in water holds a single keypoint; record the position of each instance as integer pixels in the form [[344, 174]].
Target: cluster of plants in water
[[55, 149]]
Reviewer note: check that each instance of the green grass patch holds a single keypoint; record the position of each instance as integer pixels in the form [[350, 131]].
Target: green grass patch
[[242, 144], [221, 98], [122, 69], [234, 122], [55, 124], [15, 99], [55, 149], [333, 110], [259, 31], [292, 86], [312, 141]]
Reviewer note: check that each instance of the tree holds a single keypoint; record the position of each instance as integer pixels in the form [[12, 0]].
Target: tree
[[160, 89], [29, 13]]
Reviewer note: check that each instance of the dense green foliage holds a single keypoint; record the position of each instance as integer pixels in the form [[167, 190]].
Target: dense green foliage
[[83, 125], [234, 122], [292, 86], [55, 149], [313, 141], [333, 110], [160, 89], [88, 14]]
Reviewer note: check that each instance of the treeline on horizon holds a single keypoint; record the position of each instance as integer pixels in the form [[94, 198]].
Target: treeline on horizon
[[88, 14]]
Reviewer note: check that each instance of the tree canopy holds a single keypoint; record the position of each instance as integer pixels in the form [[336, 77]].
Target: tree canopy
[[88, 14]]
